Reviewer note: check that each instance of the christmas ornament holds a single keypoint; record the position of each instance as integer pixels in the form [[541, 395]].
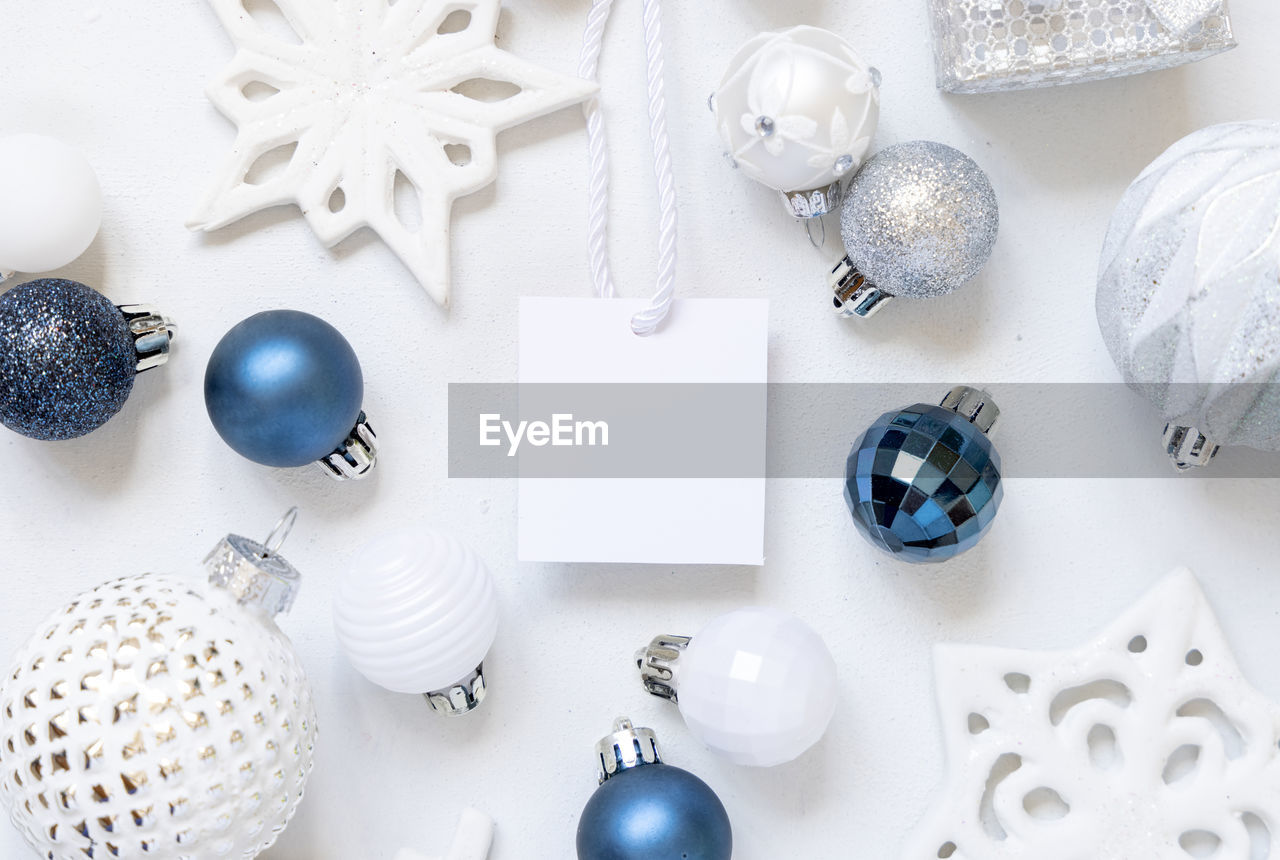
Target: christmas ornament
[[50, 204], [923, 483], [645, 809], [757, 686], [414, 90], [1188, 289], [416, 612], [797, 110], [919, 220], [1146, 742], [472, 842], [284, 388], [68, 357], [991, 45], [154, 717]]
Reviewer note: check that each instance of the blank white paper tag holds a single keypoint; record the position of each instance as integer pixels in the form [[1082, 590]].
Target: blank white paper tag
[[662, 520]]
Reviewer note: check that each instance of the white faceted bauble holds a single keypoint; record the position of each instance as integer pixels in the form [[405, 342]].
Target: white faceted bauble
[[416, 612], [797, 110], [757, 686], [154, 719], [1189, 284], [50, 204]]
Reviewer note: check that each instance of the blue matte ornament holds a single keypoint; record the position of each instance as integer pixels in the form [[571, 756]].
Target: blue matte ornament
[[647, 810], [923, 483], [68, 357], [284, 388]]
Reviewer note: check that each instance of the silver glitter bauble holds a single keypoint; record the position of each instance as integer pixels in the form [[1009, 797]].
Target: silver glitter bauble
[[154, 718], [1189, 289], [919, 220]]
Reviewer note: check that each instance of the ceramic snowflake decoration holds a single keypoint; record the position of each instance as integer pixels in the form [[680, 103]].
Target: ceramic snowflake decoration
[[373, 90], [1145, 743]]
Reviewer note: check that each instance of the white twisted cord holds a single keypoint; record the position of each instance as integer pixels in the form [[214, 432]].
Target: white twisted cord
[[648, 320], [598, 190]]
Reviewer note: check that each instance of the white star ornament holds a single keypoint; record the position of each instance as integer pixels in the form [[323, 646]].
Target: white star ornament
[[372, 89]]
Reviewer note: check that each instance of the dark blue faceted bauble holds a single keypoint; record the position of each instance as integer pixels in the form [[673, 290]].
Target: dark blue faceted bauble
[[283, 388], [654, 812], [67, 360], [923, 483]]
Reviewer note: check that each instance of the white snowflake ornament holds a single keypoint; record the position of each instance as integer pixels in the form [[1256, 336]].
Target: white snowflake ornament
[[373, 90], [1145, 743]]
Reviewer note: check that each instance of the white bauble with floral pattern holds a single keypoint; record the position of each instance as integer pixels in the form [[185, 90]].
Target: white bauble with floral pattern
[[797, 110], [158, 718]]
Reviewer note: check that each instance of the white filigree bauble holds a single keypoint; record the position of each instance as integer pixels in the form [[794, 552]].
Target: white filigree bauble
[[472, 841], [151, 719], [416, 611], [373, 91], [1145, 743], [797, 109], [1189, 284], [757, 686]]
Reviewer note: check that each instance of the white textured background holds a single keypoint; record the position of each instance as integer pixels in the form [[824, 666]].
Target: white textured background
[[156, 488]]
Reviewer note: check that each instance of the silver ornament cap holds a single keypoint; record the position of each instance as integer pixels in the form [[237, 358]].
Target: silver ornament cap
[[657, 664], [974, 405], [1187, 447], [355, 458], [628, 747], [460, 698], [151, 332], [253, 572]]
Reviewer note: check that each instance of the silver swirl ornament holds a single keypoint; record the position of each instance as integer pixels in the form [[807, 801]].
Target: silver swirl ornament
[[1188, 294]]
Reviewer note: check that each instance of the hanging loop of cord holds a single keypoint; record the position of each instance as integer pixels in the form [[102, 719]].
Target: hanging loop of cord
[[648, 320]]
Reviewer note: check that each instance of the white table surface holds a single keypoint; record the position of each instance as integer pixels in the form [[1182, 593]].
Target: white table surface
[[155, 488]]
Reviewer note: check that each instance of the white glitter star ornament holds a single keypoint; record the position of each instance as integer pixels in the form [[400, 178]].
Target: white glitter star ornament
[[373, 89], [1145, 743]]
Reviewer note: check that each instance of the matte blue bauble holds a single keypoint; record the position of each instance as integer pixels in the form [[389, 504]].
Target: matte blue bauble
[[283, 388], [654, 812], [67, 359], [923, 483]]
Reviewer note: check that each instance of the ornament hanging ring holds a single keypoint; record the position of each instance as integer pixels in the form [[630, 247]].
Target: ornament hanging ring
[[280, 533], [821, 239]]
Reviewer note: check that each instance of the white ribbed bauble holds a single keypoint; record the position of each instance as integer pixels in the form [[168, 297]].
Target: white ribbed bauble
[[757, 685], [155, 718], [417, 612], [50, 204], [797, 110]]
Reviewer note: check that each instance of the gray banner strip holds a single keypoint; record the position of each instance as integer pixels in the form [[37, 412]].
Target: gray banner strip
[[805, 430]]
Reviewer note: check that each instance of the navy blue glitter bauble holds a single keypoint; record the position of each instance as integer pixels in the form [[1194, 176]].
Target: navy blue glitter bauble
[[67, 360], [923, 483], [283, 388], [651, 812]]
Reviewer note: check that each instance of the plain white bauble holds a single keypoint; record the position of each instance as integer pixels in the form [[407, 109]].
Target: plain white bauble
[[50, 203]]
